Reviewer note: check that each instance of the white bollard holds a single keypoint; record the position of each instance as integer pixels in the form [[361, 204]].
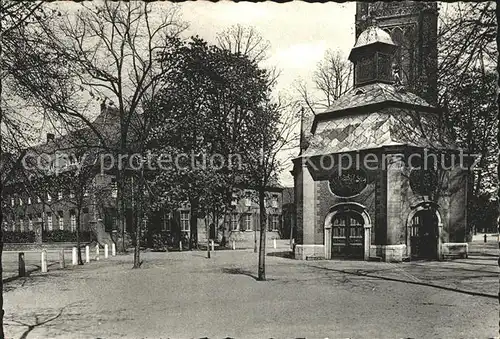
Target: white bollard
[[180, 246], [97, 252], [87, 254], [113, 249], [213, 246], [274, 243], [44, 261], [105, 251], [74, 257], [234, 245]]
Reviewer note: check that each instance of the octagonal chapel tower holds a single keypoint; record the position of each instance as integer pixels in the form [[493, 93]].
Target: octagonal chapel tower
[[380, 178]]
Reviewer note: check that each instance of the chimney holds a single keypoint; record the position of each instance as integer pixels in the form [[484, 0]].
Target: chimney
[[50, 137]]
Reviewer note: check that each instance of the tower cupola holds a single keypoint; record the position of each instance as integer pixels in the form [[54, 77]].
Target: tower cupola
[[372, 56]]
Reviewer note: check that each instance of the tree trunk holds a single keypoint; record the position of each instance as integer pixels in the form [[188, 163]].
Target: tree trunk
[[262, 249], [2, 335], [78, 246], [120, 208], [138, 220], [193, 224]]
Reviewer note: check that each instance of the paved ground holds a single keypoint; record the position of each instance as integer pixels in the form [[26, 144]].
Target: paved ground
[[185, 295]]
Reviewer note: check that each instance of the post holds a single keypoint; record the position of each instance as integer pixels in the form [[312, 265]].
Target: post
[[113, 249], [180, 246], [234, 245], [74, 259], [213, 246], [274, 243], [87, 254], [22, 265], [62, 264], [44, 261], [105, 251], [97, 252]]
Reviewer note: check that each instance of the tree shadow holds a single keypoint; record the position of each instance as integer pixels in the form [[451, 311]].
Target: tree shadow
[[239, 271], [282, 254]]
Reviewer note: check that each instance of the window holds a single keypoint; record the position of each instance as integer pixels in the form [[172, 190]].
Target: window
[[30, 223], [20, 201], [247, 222], [234, 222], [29, 201], [59, 195], [248, 202], [49, 198], [274, 201], [12, 202], [21, 225], [86, 192], [73, 221], [60, 220], [38, 199], [274, 222], [234, 199], [185, 221], [39, 216], [13, 226], [71, 195], [114, 188], [49, 221]]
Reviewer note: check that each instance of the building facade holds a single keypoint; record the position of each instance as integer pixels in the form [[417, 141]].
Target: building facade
[[42, 206], [380, 178]]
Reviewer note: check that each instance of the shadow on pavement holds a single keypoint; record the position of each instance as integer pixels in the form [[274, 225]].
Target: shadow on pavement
[[283, 254], [409, 282], [239, 271]]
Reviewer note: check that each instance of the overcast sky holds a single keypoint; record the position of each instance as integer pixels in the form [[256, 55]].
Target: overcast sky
[[299, 32]]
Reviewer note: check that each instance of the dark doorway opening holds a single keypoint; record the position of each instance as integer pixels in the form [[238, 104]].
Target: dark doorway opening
[[424, 235], [348, 235]]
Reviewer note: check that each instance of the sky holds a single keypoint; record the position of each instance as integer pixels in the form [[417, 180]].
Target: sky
[[299, 34]]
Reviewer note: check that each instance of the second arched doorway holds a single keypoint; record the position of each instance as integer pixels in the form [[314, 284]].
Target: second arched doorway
[[423, 230]]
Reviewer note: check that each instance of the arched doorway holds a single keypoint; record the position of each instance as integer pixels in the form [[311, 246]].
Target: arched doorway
[[347, 232], [424, 234], [347, 235]]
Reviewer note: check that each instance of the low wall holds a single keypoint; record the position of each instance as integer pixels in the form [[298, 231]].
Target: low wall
[[388, 253], [308, 252], [454, 250], [35, 246]]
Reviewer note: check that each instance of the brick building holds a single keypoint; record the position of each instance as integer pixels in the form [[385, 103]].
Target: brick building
[[32, 204], [380, 178]]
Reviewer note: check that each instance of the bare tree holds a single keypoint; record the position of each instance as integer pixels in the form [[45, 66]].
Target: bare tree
[[246, 41], [111, 50], [332, 78]]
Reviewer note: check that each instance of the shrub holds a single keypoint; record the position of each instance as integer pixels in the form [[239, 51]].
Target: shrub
[[18, 237], [65, 236]]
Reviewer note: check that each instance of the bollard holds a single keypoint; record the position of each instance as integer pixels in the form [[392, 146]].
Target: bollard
[[87, 254], [44, 261], [113, 249], [213, 246], [274, 243], [74, 258], [234, 245], [62, 264], [97, 252], [22, 265], [105, 251], [180, 246]]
